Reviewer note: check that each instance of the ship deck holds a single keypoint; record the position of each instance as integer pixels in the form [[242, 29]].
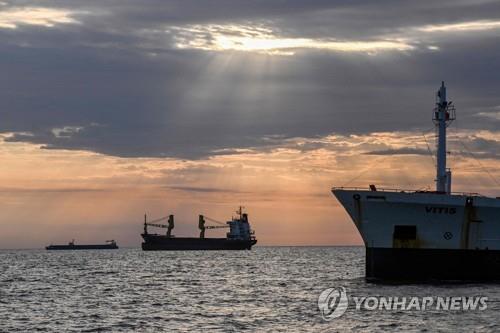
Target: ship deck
[[408, 191]]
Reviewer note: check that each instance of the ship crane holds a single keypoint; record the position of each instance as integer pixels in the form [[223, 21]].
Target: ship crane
[[156, 225], [203, 227], [216, 226], [153, 223]]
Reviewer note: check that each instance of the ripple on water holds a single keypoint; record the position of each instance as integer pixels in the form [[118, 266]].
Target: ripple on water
[[266, 289]]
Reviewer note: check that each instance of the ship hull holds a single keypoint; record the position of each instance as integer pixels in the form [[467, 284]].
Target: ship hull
[[424, 235], [407, 265], [164, 243], [83, 247]]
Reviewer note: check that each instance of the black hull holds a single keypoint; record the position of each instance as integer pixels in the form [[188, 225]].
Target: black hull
[[420, 265], [82, 247], [163, 243]]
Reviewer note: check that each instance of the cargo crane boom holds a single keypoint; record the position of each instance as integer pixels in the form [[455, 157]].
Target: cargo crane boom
[[170, 224], [203, 227], [153, 223], [156, 225]]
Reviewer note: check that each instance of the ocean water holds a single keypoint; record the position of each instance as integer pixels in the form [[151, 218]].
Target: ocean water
[[268, 289]]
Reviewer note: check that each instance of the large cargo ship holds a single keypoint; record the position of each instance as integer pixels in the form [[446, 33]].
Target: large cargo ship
[[427, 235], [239, 237], [109, 245]]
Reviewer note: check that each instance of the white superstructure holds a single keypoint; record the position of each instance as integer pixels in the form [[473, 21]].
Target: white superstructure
[[239, 228]]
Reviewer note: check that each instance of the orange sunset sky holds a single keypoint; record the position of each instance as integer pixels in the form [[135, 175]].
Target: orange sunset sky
[[56, 195], [109, 110]]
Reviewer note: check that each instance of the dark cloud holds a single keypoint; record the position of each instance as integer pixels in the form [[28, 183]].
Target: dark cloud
[[119, 77], [401, 151], [463, 146], [476, 147]]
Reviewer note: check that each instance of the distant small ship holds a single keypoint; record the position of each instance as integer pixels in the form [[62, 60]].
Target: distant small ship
[[239, 237], [110, 245]]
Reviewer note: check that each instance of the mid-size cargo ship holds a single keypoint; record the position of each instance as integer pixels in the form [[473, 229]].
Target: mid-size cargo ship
[[427, 235], [239, 237], [109, 245]]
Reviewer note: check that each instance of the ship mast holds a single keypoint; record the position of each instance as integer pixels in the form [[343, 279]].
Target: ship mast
[[444, 114]]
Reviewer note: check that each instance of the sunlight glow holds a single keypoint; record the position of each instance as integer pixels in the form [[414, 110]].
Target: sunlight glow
[[66, 131], [464, 26], [288, 182], [47, 17], [263, 40]]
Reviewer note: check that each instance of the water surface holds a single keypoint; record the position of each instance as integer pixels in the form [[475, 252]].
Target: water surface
[[268, 289]]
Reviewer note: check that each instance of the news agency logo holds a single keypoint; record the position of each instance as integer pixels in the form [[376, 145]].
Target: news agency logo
[[334, 302]]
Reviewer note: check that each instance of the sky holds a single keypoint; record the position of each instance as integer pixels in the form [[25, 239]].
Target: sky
[[111, 109]]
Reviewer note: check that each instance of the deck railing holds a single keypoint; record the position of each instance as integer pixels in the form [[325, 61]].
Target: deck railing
[[399, 190]]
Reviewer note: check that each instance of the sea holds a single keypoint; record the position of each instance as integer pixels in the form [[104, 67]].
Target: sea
[[267, 289]]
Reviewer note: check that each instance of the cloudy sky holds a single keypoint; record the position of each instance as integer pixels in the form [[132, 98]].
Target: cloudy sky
[[109, 109]]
